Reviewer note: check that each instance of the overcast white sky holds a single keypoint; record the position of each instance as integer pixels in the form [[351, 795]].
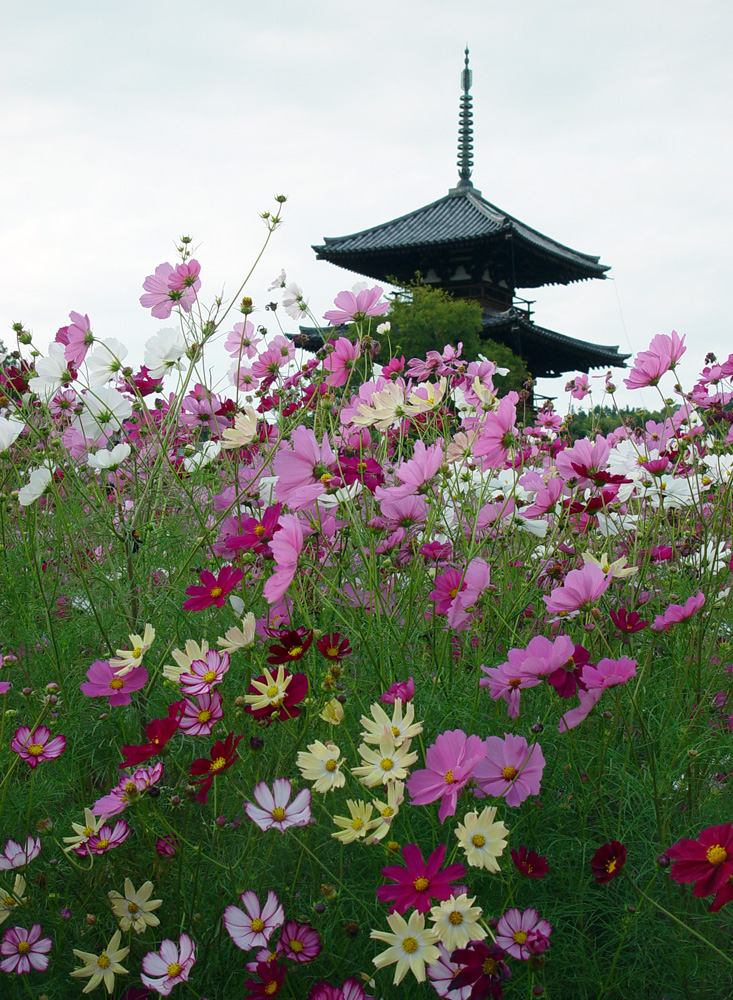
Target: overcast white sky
[[605, 126]]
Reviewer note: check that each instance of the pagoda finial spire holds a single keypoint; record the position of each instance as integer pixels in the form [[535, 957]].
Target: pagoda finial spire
[[465, 129]]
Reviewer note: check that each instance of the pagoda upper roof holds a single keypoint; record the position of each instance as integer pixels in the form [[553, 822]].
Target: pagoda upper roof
[[460, 222]]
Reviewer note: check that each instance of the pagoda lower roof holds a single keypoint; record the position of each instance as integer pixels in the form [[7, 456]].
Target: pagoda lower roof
[[460, 223], [546, 353]]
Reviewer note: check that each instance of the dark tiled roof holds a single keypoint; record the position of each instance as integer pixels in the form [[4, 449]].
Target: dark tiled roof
[[463, 219]]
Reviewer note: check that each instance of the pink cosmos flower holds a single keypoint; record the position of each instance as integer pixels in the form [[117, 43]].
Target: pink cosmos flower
[[416, 471], [404, 690], [523, 934], [25, 950], [441, 974], [241, 341], [582, 588], [103, 682], [573, 718], [170, 965], [203, 675], [254, 928], [106, 839], [476, 579], [578, 387], [299, 942], [286, 546], [33, 747], [161, 297], [200, 716], [525, 668], [214, 589], [507, 681], [419, 881], [450, 762], [340, 361], [498, 433], [185, 278], [676, 613], [350, 307], [306, 469], [351, 989], [511, 769], [16, 856], [663, 354], [79, 338], [274, 810], [608, 673], [584, 461], [129, 790]]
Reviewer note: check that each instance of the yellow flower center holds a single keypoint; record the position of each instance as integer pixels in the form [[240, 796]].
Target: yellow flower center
[[332, 651], [519, 936], [23, 947], [103, 962], [133, 908], [174, 969], [116, 683], [271, 988], [87, 831], [278, 813], [449, 779], [515, 682], [455, 918], [218, 764], [296, 945], [395, 731], [35, 749], [295, 651], [103, 844], [272, 690], [453, 592], [716, 855], [259, 530], [9, 902], [137, 652], [611, 865], [357, 824], [204, 715], [421, 883], [489, 966], [130, 787], [478, 840], [387, 764], [257, 925], [216, 592], [209, 676], [509, 773], [331, 764], [409, 944], [388, 811]]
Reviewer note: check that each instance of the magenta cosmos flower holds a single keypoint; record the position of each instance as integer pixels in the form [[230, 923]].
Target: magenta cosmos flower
[[214, 589], [523, 934], [580, 590], [510, 768], [664, 353], [253, 928], [33, 747], [404, 690], [351, 989], [162, 296], [340, 361], [450, 762], [203, 675], [103, 682], [707, 861], [420, 881], [498, 434], [170, 965], [200, 716], [677, 613], [106, 839], [299, 942], [25, 950], [352, 307], [286, 546], [16, 855], [275, 811]]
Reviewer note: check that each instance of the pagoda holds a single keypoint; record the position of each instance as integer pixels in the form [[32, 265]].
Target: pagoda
[[466, 245]]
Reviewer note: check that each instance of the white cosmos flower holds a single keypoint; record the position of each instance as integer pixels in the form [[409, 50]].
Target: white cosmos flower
[[109, 460], [164, 352], [10, 429], [52, 373], [244, 430], [39, 482], [105, 361], [293, 302], [103, 412], [208, 453]]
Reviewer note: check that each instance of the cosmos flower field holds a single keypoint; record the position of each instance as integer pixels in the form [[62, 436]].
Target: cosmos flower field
[[340, 681]]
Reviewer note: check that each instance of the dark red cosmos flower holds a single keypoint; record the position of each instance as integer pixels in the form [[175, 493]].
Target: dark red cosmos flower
[[287, 708], [159, 731], [144, 384], [214, 589], [293, 645], [256, 533], [333, 647], [567, 679], [530, 863], [483, 968], [627, 622], [420, 881], [722, 896], [272, 976], [707, 861], [222, 756], [366, 471], [608, 861]]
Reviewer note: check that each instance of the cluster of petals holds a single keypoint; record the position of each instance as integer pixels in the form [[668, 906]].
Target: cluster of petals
[[419, 880], [25, 950], [511, 769], [37, 745], [129, 790], [526, 668], [663, 354], [677, 613], [607, 673], [579, 591], [103, 681], [450, 762], [254, 926], [170, 965], [522, 933], [214, 590], [170, 287], [17, 855], [274, 810]]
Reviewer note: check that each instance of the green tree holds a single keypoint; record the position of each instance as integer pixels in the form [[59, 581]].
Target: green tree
[[425, 319]]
